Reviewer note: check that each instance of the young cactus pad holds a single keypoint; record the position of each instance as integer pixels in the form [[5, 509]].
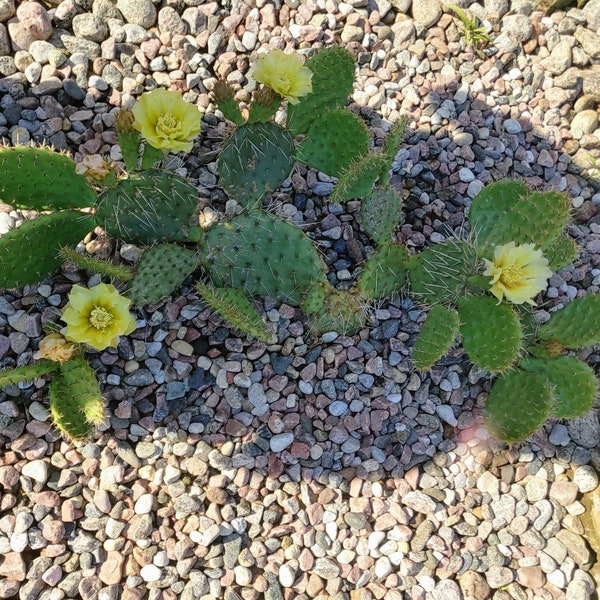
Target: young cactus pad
[[332, 309], [519, 404], [436, 337], [560, 252], [577, 325], [332, 82], [491, 332], [148, 207], [380, 214], [441, 273], [236, 309], [160, 271], [573, 383], [255, 161], [27, 372], [335, 139], [263, 256], [30, 252], [76, 403], [508, 211], [41, 179], [359, 177], [384, 272]]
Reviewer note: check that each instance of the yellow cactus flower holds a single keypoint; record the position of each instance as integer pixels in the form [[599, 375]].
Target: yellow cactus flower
[[518, 273], [55, 347], [166, 121], [97, 316], [284, 74]]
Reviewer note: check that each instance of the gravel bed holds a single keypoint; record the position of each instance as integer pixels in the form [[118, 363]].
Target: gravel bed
[[309, 468]]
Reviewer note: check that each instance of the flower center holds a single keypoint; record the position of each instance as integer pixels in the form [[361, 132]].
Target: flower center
[[284, 83], [100, 318], [167, 125], [512, 275]]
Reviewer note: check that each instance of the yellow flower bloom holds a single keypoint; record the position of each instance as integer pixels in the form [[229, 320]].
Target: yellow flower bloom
[[165, 121], [284, 74], [518, 273], [55, 347], [97, 316]]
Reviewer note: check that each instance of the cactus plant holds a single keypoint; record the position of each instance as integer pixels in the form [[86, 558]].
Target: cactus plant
[[48, 233], [380, 214], [236, 309], [332, 82], [441, 273], [491, 332], [36, 178], [384, 273], [76, 403], [508, 211], [436, 337], [160, 271], [27, 372], [254, 161], [334, 140], [262, 255], [150, 206]]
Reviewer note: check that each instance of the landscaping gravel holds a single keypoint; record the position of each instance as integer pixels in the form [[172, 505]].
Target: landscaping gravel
[[307, 468]]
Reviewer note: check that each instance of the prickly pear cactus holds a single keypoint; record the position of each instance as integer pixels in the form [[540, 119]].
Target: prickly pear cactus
[[236, 309], [27, 372], [508, 211], [96, 265], [560, 252], [160, 271], [30, 252], [262, 255], [332, 82], [148, 207], [76, 403], [359, 177], [255, 161], [41, 179], [334, 140], [491, 332], [223, 94], [441, 273], [577, 325], [573, 383], [380, 214], [519, 404], [436, 337], [334, 309], [384, 273]]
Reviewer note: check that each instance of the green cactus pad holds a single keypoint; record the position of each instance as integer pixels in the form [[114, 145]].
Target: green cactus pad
[[508, 211], [160, 271], [236, 309], [573, 383], [96, 265], [255, 161], [262, 255], [30, 252], [384, 273], [336, 139], [76, 403], [129, 142], [520, 403], [41, 179], [436, 337], [441, 273], [27, 372], [491, 332], [560, 252], [331, 309], [380, 214], [394, 139], [150, 206], [332, 82], [359, 177], [577, 325]]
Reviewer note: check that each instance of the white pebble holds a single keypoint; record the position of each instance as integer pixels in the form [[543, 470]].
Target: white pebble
[[150, 573]]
